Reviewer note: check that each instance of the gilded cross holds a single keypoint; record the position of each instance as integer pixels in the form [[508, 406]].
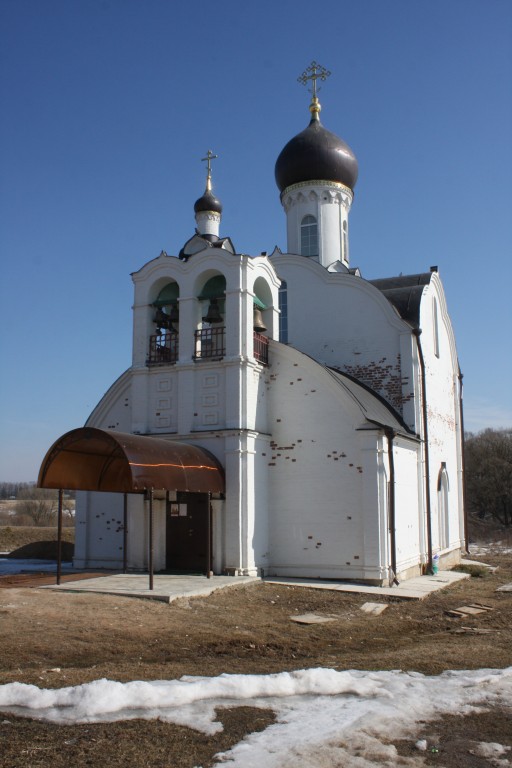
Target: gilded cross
[[208, 160], [314, 72]]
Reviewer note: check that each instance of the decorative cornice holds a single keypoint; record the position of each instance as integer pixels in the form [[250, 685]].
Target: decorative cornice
[[211, 215], [332, 193], [318, 183]]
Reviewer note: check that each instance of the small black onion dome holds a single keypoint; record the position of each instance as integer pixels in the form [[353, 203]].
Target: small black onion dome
[[208, 202], [316, 154]]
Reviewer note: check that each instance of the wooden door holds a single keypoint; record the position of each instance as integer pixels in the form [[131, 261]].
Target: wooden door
[[187, 533]]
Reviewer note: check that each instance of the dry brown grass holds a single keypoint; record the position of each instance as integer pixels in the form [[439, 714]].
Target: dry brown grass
[[245, 630]]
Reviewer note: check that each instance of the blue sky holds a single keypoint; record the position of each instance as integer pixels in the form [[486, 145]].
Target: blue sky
[[108, 106]]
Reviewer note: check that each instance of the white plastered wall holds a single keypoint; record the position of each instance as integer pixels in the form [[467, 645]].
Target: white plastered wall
[[99, 516], [324, 499], [344, 321], [443, 412], [409, 517]]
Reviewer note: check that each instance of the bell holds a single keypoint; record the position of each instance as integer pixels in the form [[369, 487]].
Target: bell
[[213, 315], [257, 320], [174, 314], [161, 319]]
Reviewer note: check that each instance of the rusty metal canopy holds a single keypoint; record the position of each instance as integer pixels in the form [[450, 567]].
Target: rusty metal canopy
[[89, 459]]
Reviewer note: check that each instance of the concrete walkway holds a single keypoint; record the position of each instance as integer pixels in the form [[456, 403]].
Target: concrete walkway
[[411, 589], [165, 588], [169, 588]]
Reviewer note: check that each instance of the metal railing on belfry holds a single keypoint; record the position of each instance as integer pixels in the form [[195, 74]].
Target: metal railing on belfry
[[163, 348], [260, 348], [210, 343]]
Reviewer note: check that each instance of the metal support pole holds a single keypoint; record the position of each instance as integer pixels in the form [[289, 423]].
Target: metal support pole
[[59, 537], [463, 458], [151, 538], [209, 542], [125, 533]]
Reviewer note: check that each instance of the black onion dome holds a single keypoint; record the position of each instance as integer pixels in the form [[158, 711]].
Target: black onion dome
[[316, 154], [208, 202]]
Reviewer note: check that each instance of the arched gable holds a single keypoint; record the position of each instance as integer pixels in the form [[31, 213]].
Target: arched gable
[[442, 323], [315, 272], [345, 322], [114, 409]]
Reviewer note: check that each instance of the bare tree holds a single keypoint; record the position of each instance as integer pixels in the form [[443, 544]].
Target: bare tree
[[489, 474], [38, 504]]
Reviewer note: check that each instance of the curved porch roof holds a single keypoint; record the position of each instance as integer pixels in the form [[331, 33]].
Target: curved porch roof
[[90, 459]]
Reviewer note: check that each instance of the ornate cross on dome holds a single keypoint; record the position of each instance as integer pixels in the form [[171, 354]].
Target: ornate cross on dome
[[208, 160], [317, 72]]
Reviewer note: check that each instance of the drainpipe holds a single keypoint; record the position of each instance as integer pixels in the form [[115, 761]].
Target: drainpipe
[[417, 333], [150, 495], [390, 434], [209, 541], [463, 461], [125, 533]]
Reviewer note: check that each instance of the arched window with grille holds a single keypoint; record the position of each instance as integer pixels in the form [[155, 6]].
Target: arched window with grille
[[443, 487], [309, 236], [435, 327]]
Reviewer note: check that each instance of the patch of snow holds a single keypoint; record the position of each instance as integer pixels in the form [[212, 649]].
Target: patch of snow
[[11, 565], [499, 547], [324, 717], [490, 749]]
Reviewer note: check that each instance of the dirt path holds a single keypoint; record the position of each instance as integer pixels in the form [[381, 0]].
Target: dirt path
[[245, 630]]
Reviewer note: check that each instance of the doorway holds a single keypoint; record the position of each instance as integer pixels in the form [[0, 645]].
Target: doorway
[[188, 533]]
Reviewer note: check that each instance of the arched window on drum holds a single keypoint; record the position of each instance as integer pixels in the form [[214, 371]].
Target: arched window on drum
[[309, 237]]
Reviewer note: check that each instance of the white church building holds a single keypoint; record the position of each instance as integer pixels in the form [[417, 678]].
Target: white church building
[[339, 436]]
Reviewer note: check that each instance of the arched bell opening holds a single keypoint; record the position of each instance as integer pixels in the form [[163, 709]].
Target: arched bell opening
[[263, 319], [210, 334], [163, 342]]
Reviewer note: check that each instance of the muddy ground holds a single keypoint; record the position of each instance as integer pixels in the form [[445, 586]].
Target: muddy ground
[[245, 629]]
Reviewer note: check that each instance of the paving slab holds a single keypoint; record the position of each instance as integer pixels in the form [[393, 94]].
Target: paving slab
[[165, 588], [375, 609], [469, 610], [312, 618]]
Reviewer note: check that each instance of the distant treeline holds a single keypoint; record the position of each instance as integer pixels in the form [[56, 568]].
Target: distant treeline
[[23, 490], [10, 490]]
